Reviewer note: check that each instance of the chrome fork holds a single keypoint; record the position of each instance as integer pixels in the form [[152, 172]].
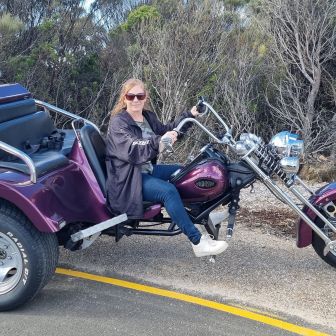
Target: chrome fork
[[330, 245]]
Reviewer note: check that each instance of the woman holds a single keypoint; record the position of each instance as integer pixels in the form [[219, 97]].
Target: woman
[[133, 141]]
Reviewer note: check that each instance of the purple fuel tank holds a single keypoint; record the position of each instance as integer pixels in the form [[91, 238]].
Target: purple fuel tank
[[203, 182]]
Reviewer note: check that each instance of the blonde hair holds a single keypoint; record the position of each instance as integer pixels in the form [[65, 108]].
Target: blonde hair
[[127, 86]]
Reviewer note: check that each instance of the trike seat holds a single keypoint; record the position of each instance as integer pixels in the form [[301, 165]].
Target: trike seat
[[94, 147], [43, 162], [23, 126]]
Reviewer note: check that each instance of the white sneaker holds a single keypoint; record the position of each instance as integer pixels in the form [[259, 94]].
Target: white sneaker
[[208, 246]]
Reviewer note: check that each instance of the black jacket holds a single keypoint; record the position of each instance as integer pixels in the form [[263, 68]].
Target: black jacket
[[126, 151]]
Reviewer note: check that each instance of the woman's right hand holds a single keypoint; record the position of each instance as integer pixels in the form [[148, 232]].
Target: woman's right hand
[[172, 135]]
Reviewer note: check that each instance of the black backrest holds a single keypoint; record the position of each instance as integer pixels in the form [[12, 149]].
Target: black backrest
[[16, 109], [94, 148], [32, 127]]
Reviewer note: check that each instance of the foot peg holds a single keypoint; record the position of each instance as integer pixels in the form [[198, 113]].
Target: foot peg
[[98, 228]]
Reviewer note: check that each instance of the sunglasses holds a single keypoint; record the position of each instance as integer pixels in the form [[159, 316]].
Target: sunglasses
[[131, 96]]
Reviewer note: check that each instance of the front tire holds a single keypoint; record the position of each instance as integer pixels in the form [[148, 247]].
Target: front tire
[[28, 258], [319, 244]]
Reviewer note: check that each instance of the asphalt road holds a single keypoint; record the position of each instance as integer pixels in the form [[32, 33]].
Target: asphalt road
[[70, 306], [259, 272]]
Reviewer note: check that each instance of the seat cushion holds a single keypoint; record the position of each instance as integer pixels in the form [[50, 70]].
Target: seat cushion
[[16, 109], [44, 163]]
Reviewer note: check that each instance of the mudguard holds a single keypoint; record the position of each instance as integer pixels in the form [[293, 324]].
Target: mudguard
[[322, 197], [67, 195]]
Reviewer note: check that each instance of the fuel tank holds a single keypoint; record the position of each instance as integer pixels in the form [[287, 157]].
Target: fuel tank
[[202, 181]]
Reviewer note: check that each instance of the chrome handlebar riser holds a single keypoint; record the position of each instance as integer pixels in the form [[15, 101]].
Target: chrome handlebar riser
[[228, 130], [186, 120]]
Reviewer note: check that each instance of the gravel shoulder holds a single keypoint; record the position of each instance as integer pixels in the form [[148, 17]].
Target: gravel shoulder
[[261, 209], [262, 268]]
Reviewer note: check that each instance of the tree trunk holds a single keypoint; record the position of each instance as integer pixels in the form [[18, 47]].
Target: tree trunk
[[311, 110], [333, 129]]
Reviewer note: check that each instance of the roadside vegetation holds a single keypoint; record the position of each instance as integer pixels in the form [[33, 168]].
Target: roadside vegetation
[[266, 65]]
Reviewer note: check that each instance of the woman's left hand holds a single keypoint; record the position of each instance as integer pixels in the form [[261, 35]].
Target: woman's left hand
[[194, 111]]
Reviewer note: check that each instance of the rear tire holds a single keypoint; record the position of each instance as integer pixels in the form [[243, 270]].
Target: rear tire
[[28, 258], [319, 245]]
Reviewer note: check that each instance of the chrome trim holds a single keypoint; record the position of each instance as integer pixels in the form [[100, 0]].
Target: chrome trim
[[92, 230], [186, 120], [49, 107], [227, 138], [304, 185], [23, 156], [217, 116], [11, 264], [290, 164], [331, 247], [73, 125], [250, 151]]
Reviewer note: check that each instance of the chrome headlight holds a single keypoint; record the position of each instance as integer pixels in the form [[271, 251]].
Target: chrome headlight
[[290, 165], [287, 144], [246, 142]]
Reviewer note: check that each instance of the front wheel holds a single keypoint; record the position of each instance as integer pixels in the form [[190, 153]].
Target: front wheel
[[28, 258], [319, 244]]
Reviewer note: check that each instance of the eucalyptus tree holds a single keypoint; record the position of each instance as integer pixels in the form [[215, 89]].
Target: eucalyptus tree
[[302, 41]]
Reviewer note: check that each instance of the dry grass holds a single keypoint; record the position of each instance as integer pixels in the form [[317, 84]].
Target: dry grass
[[263, 211], [323, 170], [279, 222]]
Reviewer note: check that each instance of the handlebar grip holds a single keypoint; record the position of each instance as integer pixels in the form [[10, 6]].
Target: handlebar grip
[[167, 144], [200, 107]]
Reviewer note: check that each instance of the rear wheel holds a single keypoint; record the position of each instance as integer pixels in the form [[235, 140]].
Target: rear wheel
[[319, 244], [28, 258]]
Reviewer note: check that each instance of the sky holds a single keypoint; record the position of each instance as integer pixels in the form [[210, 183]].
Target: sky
[[87, 4]]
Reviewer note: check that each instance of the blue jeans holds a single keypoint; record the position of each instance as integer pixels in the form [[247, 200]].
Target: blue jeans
[[155, 188]]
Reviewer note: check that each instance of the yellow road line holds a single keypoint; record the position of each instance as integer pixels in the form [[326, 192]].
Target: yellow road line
[[195, 300]]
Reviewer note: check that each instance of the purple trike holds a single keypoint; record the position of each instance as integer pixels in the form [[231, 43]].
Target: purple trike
[[52, 190]]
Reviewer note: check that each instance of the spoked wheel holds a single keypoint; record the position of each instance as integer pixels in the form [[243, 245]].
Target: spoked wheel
[[319, 244], [28, 258]]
